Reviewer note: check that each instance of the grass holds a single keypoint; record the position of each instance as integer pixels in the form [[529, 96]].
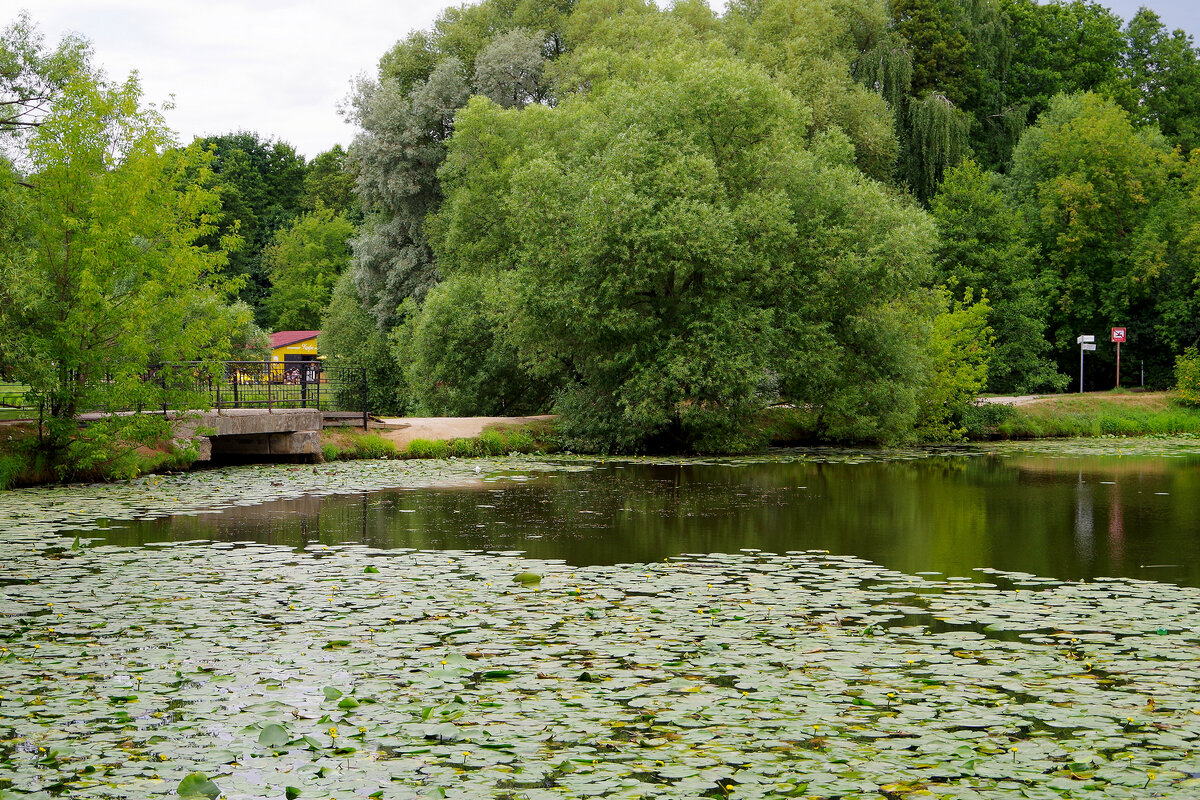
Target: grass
[[533, 437], [1117, 413], [348, 445]]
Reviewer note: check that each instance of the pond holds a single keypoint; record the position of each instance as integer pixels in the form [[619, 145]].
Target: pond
[[1062, 514], [1005, 621]]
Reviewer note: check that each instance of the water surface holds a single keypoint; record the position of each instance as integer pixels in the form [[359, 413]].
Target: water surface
[[1055, 514]]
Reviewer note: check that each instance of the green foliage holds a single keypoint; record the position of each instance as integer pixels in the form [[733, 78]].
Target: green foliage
[[350, 339], [359, 445], [1160, 79], [984, 420], [672, 243], [665, 221], [1094, 191], [983, 248], [960, 350], [459, 358], [103, 274], [260, 182], [32, 77], [1060, 48], [840, 59], [1187, 377], [304, 261], [328, 184]]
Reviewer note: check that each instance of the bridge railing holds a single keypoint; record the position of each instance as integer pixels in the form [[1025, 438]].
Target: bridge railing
[[268, 384]]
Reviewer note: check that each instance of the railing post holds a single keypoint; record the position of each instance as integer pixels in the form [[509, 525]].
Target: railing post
[[163, 381], [364, 398]]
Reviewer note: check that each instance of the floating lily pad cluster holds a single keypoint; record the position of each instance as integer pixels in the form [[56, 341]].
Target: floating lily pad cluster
[[351, 672], [90, 506], [255, 671]]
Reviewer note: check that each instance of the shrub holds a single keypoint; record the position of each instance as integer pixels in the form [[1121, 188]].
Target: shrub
[[983, 420], [1187, 378]]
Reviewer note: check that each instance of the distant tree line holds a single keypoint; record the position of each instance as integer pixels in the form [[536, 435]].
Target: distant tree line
[[659, 222]]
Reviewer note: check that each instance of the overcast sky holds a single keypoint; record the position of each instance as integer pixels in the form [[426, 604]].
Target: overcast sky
[[279, 67]]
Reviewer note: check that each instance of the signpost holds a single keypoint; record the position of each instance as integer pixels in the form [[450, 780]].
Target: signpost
[[1118, 336], [1086, 342]]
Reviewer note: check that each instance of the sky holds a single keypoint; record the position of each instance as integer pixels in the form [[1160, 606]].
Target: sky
[[279, 67]]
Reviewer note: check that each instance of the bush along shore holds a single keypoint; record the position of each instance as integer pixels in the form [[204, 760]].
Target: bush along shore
[[1117, 413]]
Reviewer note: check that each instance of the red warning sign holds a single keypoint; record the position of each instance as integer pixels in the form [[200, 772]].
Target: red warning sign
[[1118, 334]]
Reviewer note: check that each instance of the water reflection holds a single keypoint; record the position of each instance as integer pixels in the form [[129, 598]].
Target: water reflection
[[1054, 516]]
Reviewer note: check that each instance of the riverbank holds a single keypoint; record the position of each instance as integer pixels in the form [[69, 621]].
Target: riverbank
[[1093, 414], [1114, 413]]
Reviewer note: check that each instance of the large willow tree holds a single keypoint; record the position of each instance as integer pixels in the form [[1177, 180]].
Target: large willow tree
[[675, 255]]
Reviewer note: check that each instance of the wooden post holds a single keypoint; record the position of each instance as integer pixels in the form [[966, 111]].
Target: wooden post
[[1118, 365]]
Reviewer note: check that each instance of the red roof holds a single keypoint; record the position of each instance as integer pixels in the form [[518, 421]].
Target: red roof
[[284, 338]]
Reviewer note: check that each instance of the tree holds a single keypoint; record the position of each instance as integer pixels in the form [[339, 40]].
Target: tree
[[1091, 188], [983, 250], [1060, 47], [1160, 77], [104, 273], [329, 184], [459, 355], [508, 70], [960, 352], [304, 261], [260, 182], [31, 77], [397, 157], [839, 59], [350, 339], [680, 258]]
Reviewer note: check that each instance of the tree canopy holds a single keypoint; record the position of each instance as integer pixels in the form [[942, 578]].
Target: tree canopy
[[102, 275]]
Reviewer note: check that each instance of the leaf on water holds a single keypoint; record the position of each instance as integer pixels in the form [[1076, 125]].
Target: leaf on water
[[197, 785], [273, 736]]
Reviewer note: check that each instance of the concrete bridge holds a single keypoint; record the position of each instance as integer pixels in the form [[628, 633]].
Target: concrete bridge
[[251, 431]]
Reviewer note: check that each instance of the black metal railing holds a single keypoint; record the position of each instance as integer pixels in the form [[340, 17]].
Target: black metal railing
[[266, 384]]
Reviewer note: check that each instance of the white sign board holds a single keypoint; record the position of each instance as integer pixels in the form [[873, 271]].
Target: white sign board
[[1088, 346], [1087, 337]]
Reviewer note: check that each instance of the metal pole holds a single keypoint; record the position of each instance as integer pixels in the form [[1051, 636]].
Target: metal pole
[[364, 398], [1143, 373], [1081, 369], [1118, 365]]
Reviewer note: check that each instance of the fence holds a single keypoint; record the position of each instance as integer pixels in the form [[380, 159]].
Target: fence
[[221, 385], [268, 385]]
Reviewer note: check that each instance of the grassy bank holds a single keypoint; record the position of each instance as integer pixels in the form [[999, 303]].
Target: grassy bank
[[23, 463], [1117, 413], [535, 438]]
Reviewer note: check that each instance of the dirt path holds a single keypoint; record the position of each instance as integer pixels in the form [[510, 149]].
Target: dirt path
[[402, 430], [1018, 400]]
